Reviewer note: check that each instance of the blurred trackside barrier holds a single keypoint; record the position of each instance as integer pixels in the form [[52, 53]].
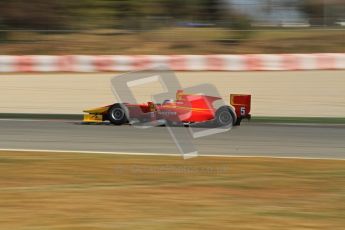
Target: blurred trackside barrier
[[100, 63]]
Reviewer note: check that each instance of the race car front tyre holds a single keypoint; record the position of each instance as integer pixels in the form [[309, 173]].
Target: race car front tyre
[[117, 114], [225, 117]]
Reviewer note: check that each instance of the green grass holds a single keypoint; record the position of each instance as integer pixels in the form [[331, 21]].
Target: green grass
[[41, 116], [307, 120]]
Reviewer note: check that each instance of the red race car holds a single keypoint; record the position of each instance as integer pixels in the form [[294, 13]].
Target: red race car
[[186, 109]]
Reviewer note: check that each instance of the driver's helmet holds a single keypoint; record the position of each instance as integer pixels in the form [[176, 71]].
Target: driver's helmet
[[168, 101]]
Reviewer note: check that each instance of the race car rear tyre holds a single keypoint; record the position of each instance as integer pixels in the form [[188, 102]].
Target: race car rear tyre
[[238, 121], [225, 117], [117, 114]]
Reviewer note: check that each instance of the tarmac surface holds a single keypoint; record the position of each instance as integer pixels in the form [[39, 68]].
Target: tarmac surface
[[250, 139]]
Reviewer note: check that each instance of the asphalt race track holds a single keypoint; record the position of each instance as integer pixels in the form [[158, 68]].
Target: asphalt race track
[[250, 139]]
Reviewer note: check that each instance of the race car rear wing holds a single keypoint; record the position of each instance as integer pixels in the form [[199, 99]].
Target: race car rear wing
[[242, 104]]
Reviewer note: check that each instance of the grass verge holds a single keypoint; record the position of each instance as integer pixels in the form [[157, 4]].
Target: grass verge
[[89, 191], [178, 41], [255, 119], [305, 120]]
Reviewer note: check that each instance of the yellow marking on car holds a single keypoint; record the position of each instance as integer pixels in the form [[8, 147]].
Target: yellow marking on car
[[99, 110], [93, 118]]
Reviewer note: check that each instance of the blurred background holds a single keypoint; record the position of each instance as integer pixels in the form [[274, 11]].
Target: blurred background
[[171, 26], [72, 191]]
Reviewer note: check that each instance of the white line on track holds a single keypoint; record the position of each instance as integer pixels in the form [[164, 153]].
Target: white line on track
[[167, 154]]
